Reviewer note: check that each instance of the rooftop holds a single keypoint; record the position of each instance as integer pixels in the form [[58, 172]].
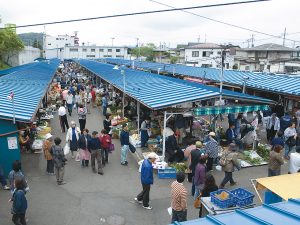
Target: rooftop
[[270, 47]]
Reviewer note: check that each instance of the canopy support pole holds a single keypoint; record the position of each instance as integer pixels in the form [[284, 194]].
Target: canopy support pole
[[254, 186], [164, 136], [138, 116]]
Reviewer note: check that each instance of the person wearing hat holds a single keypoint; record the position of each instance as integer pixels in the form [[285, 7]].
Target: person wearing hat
[[73, 137], [146, 180], [124, 139], [195, 155], [231, 162], [46, 148], [94, 147], [272, 126], [211, 149], [173, 152]]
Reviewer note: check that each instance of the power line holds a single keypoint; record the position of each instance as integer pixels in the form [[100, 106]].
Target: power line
[[141, 13], [222, 22]]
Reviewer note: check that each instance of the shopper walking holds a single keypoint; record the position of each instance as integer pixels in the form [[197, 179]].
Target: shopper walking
[[272, 126], [146, 180], [229, 157], [62, 113], [124, 138], [104, 104], [82, 116], [16, 173], [83, 148], [69, 103], [209, 186], [94, 146], [107, 124], [19, 203], [73, 137], [46, 148], [290, 135], [200, 175], [105, 140], [3, 181], [59, 159], [78, 100], [275, 161], [294, 166], [212, 150], [179, 199]]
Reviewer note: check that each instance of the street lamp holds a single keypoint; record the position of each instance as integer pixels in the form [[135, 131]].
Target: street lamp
[[245, 78], [124, 85]]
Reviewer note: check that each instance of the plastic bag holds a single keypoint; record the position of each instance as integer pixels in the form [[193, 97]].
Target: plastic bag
[[66, 149]]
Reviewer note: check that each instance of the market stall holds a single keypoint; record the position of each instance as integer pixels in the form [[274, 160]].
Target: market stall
[[283, 186], [22, 92]]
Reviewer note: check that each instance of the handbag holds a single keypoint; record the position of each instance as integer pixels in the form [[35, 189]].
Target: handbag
[[66, 149], [291, 141], [111, 147], [132, 148], [197, 202]]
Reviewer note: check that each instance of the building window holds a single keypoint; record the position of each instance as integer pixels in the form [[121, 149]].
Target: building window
[[247, 67], [73, 49], [101, 50], [91, 56], [118, 50], [109, 50], [93, 50], [107, 56], [195, 53], [205, 54], [49, 43], [84, 50], [206, 65], [219, 53]]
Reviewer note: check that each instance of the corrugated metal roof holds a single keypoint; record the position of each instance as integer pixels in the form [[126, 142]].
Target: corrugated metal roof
[[16, 68], [260, 81], [29, 85], [275, 214], [156, 91]]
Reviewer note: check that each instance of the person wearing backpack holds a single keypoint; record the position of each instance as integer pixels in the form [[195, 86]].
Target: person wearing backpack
[[19, 201], [59, 159], [229, 161]]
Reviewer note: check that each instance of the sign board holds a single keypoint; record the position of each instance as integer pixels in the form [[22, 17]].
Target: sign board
[[12, 143]]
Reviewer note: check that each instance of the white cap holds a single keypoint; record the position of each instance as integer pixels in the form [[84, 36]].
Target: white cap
[[213, 134], [48, 135], [152, 155]]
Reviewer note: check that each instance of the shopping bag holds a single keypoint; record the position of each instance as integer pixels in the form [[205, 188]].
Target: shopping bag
[[197, 202], [111, 147], [77, 157], [66, 149], [132, 148]]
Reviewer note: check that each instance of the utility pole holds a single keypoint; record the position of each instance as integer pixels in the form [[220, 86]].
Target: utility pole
[[205, 39], [284, 36], [112, 41], [198, 39], [252, 40]]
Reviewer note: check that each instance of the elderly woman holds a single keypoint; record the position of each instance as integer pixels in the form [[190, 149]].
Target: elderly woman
[[24, 141], [73, 137], [46, 148]]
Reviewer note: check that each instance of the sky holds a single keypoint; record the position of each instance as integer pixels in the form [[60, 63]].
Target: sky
[[168, 28]]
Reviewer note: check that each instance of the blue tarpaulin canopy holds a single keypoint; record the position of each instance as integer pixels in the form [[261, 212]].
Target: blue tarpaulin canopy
[[29, 83], [157, 91], [261, 81]]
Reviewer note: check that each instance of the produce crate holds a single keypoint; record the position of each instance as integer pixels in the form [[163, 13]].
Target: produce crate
[[226, 203], [242, 197], [169, 173]]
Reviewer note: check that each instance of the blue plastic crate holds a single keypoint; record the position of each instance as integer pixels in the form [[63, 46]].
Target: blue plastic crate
[[227, 203], [242, 197], [169, 173]]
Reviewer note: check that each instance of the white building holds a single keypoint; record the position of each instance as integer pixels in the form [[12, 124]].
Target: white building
[[54, 45], [96, 52], [207, 55], [27, 55]]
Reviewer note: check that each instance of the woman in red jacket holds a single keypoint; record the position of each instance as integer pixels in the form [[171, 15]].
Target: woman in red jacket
[[105, 140]]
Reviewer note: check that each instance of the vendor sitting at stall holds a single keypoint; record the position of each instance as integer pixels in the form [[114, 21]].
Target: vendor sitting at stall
[[145, 129], [173, 152]]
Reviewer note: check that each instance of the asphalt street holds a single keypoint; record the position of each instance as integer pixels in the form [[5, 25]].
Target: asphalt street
[[92, 199]]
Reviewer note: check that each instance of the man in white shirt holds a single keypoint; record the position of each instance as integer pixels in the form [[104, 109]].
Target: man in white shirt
[[62, 113], [295, 161], [70, 102]]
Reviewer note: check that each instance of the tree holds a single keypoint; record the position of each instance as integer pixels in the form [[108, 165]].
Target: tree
[[36, 44], [10, 44], [146, 51], [173, 59]]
